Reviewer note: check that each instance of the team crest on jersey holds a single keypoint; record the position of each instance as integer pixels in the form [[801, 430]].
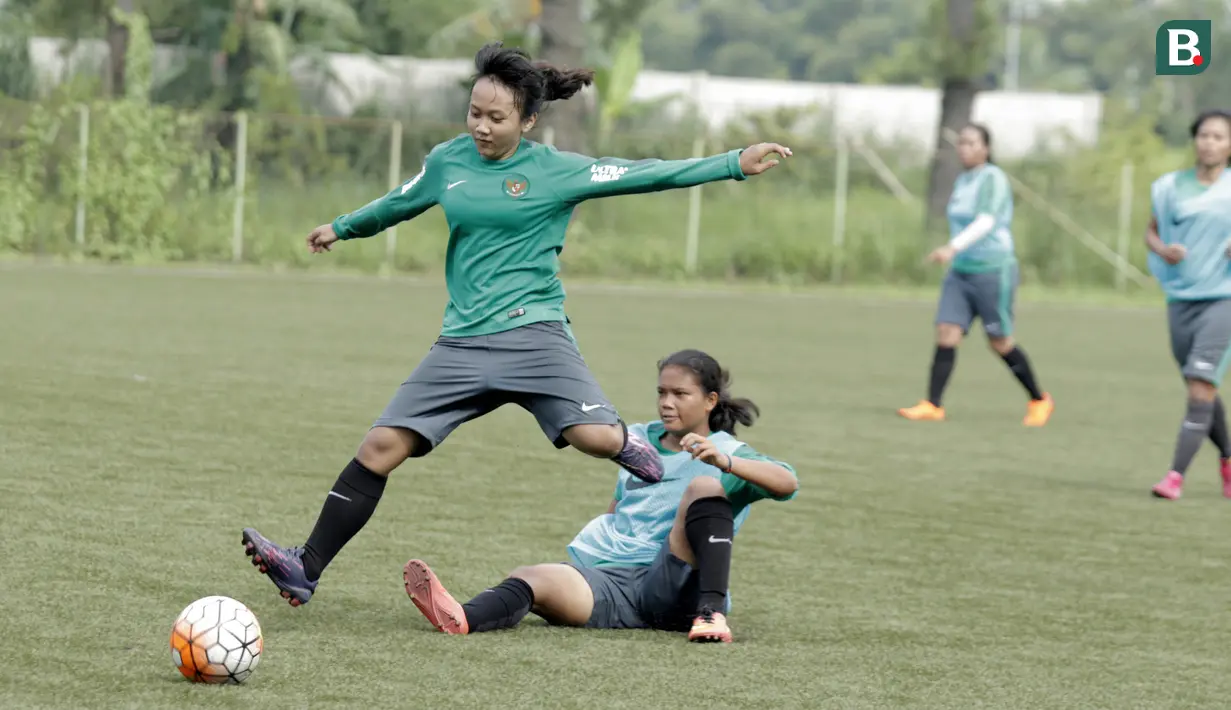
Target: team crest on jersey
[[516, 186]]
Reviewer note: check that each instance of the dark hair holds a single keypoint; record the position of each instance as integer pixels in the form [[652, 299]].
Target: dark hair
[[1205, 116], [713, 378], [532, 83], [985, 134]]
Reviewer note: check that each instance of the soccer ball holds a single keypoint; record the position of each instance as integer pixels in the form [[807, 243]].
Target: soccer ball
[[216, 640]]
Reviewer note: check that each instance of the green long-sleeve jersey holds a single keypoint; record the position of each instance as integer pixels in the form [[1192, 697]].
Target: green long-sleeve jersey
[[507, 220]]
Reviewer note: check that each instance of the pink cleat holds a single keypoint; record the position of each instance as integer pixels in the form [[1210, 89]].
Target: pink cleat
[[1225, 470], [1172, 486]]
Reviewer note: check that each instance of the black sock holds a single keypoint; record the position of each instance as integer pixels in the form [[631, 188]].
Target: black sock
[[1020, 365], [1193, 430], [347, 509], [1218, 430], [942, 366], [501, 607], [709, 526]]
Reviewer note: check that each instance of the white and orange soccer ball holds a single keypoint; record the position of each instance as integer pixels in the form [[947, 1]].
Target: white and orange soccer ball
[[216, 640]]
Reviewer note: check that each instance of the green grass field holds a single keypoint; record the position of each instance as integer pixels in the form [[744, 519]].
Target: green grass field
[[146, 417]]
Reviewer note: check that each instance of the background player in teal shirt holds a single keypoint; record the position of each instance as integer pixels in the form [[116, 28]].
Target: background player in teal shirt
[[1189, 237], [982, 280], [660, 557], [505, 338]]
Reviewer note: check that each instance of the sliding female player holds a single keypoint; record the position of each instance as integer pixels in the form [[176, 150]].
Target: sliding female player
[[660, 557], [505, 337], [1189, 237], [982, 279]]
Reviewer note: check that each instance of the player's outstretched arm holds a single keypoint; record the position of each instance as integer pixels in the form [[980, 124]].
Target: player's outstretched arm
[[405, 202], [585, 178]]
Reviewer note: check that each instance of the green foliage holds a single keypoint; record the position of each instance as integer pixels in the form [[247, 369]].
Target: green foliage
[[954, 55], [17, 78], [139, 58]]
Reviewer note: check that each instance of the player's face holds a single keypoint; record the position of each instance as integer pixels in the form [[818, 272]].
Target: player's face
[[971, 149], [1213, 142], [494, 121], [683, 405]]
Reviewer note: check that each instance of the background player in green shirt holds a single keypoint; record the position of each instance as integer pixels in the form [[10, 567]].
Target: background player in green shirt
[[1189, 237], [982, 279], [505, 337]]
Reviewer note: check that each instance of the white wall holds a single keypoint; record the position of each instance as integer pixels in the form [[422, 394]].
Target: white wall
[[1019, 121]]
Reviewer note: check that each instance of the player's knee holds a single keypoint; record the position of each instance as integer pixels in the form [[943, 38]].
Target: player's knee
[[948, 335], [530, 574], [601, 440], [1002, 345], [385, 448], [703, 487], [1201, 390]]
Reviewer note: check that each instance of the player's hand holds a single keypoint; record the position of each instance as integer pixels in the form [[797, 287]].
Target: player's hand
[[703, 449], [1173, 253], [752, 159], [321, 238], [942, 255]]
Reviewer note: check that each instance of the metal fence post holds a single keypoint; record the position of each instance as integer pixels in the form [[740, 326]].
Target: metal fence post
[[241, 170], [395, 179], [841, 181], [83, 170]]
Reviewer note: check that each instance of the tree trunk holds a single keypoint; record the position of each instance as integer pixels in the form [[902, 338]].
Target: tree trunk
[[563, 44], [117, 45], [956, 107], [961, 68]]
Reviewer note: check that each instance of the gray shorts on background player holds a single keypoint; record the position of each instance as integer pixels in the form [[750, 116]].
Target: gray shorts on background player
[[536, 366], [987, 295], [662, 596], [1201, 338]]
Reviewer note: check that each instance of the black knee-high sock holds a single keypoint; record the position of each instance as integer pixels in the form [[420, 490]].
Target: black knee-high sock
[[1020, 365], [347, 508], [710, 526], [943, 361], [501, 607], [1218, 430], [1193, 430]]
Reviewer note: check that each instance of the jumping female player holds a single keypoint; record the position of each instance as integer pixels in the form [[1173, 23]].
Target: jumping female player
[[982, 279], [505, 338], [660, 557], [1189, 237]]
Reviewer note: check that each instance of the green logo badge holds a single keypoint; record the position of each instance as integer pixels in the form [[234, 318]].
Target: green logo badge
[[516, 186], [1183, 47]]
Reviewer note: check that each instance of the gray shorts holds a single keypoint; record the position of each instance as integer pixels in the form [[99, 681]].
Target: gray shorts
[[1201, 338], [987, 295], [661, 596], [537, 367]]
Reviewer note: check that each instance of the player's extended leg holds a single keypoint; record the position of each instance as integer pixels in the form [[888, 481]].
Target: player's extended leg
[[996, 293], [954, 314], [541, 366], [702, 536], [556, 592], [1200, 341], [347, 508], [445, 390]]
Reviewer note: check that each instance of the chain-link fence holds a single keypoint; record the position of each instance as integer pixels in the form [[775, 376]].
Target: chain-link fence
[[124, 181]]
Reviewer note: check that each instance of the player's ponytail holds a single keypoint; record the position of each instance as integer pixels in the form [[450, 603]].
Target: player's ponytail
[[560, 84], [714, 379], [532, 83]]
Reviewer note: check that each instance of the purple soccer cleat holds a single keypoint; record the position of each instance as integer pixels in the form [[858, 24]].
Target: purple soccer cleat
[[639, 458], [283, 566]]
